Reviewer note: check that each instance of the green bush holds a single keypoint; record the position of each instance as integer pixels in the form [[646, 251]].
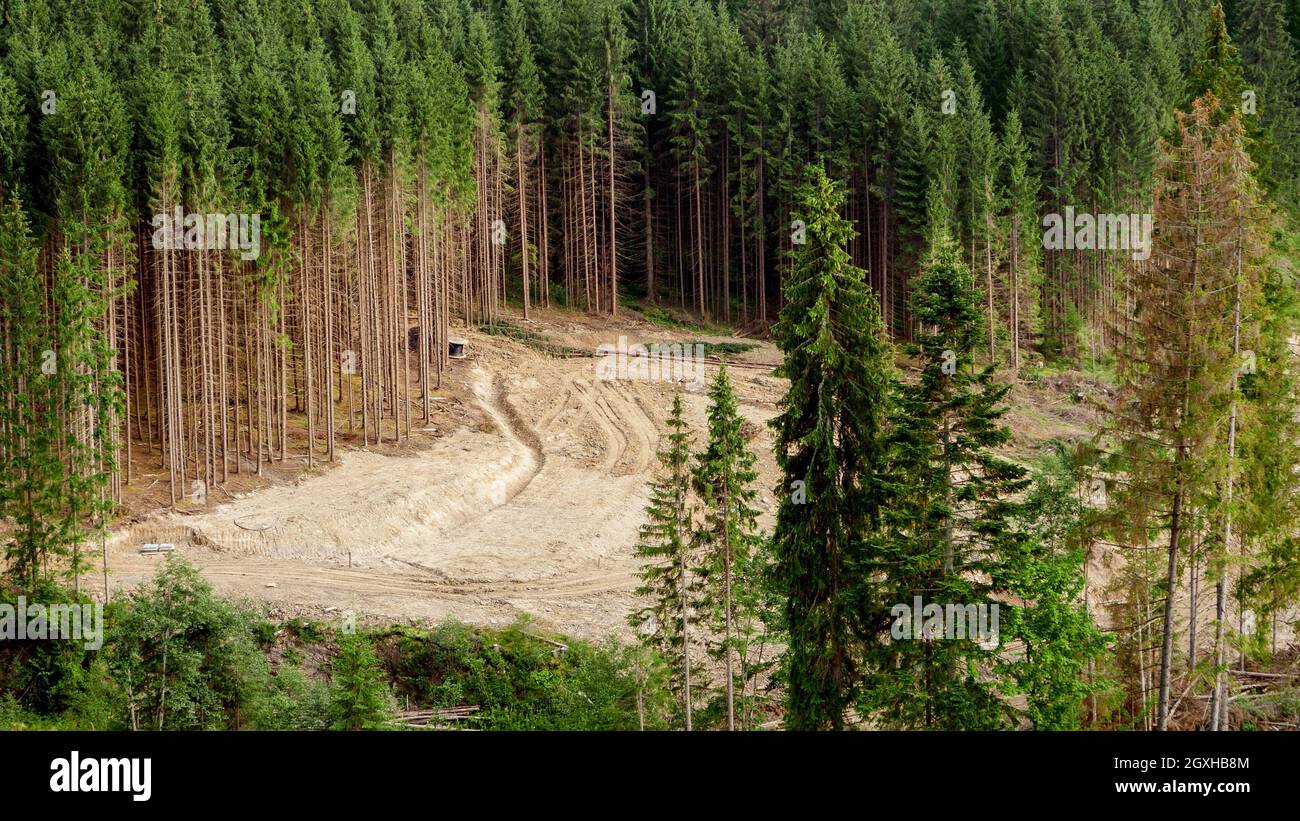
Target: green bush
[[44, 676], [176, 637], [211, 657], [359, 694], [292, 701], [518, 679]]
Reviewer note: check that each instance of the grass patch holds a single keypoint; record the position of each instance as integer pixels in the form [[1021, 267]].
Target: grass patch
[[667, 318], [529, 337], [722, 350], [307, 631]]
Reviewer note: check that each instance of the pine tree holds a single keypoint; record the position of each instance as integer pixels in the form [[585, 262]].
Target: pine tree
[[948, 526], [1020, 192], [979, 193], [753, 158], [691, 142], [1054, 116], [522, 91], [1272, 66], [943, 174], [359, 695], [828, 446], [668, 577], [990, 54], [31, 472], [912, 192], [1159, 53], [887, 102], [1217, 68], [1045, 572], [87, 144], [1177, 363], [13, 127], [1270, 487], [727, 538]]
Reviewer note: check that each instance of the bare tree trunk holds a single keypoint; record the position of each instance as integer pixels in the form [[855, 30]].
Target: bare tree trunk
[[686, 644], [1171, 575], [1218, 704], [613, 202], [521, 185]]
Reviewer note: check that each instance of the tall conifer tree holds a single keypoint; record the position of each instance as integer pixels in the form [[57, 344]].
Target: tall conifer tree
[[828, 446]]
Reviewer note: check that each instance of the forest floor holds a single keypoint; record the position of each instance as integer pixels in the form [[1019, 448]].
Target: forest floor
[[523, 494]]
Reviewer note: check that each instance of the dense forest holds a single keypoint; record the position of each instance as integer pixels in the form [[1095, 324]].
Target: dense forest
[[233, 231]]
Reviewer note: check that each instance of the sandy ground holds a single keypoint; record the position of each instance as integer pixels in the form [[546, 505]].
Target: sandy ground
[[531, 506]]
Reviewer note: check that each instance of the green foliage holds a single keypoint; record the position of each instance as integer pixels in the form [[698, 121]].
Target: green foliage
[[947, 531], [311, 632], [32, 470], [42, 675], [1270, 57], [1269, 449], [727, 544], [13, 128], [205, 652], [359, 695], [521, 680], [14, 718], [292, 701], [1062, 644], [828, 438], [1218, 66], [529, 337], [188, 105], [722, 350], [667, 577], [183, 658]]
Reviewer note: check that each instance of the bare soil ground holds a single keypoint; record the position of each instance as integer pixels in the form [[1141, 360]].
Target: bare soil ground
[[526, 497]]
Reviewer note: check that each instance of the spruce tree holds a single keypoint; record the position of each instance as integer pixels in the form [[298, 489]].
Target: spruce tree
[[1270, 486], [522, 92], [727, 537], [691, 140], [1217, 68], [1178, 362], [1272, 67], [31, 471], [359, 695], [948, 526], [13, 127], [979, 193], [668, 577], [1019, 190], [828, 446]]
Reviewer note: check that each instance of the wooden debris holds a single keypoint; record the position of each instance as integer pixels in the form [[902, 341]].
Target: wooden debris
[[437, 719]]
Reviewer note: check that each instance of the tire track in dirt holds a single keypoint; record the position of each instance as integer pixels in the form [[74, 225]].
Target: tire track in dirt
[[615, 442], [356, 580], [640, 424], [536, 512], [512, 424], [511, 524]]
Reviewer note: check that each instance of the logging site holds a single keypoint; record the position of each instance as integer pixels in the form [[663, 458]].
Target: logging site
[[649, 365]]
